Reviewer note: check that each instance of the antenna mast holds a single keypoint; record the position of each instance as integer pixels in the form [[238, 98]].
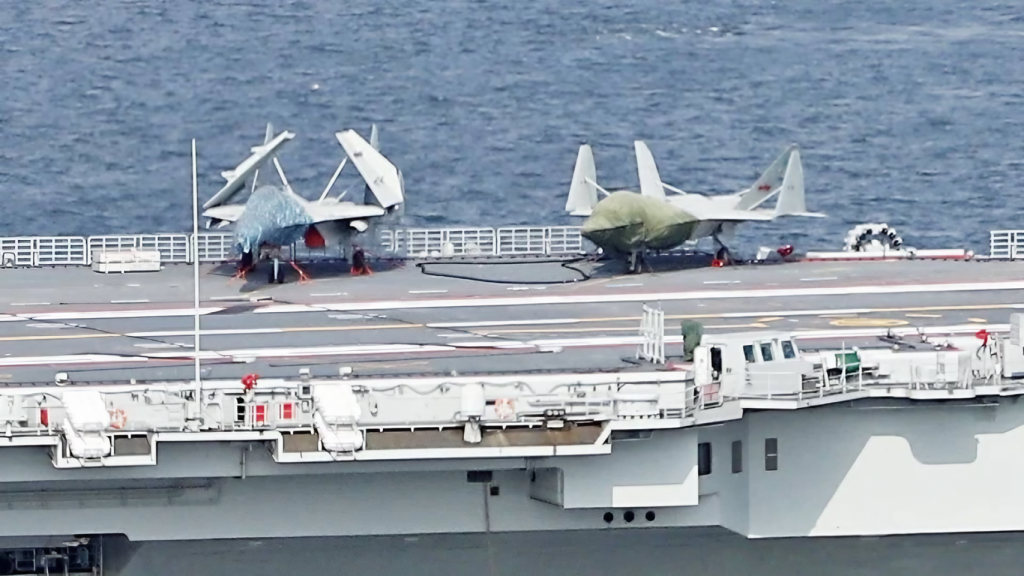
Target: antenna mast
[[195, 266]]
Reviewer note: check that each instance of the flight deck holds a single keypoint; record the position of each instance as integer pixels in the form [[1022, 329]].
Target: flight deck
[[469, 315]]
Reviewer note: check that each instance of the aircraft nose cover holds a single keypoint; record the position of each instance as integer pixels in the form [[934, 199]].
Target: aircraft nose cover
[[626, 221], [272, 216]]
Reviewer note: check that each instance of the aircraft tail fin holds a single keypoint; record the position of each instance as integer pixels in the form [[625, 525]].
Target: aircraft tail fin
[[583, 189], [769, 182], [374, 138], [791, 196], [650, 181]]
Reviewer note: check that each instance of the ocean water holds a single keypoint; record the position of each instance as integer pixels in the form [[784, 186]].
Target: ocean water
[[906, 112]]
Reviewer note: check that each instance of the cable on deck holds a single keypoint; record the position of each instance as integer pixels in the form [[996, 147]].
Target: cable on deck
[[568, 265]]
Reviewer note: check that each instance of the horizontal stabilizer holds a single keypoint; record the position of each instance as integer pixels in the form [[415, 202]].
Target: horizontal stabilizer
[[650, 181], [225, 212], [236, 178], [583, 189], [383, 178]]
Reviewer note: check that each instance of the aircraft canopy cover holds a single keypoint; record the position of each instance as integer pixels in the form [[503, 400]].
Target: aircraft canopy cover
[[272, 215], [627, 221]]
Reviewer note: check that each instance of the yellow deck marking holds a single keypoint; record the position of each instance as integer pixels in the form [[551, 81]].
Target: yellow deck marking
[[770, 319], [868, 322], [347, 328], [982, 320], [923, 315], [630, 329]]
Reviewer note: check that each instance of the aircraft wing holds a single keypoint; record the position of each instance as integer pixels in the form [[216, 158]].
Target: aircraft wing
[[730, 215], [330, 211], [226, 212], [236, 178], [383, 178], [714, 209]]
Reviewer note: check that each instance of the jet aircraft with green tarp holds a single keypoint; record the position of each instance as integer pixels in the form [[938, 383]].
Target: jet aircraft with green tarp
[[627, 223]]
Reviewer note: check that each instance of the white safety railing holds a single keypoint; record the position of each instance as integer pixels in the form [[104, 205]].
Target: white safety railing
[[43, 251], [450, 242], [215, 247], [652, 330], [172, 247], [29, 251], [1006, 244]]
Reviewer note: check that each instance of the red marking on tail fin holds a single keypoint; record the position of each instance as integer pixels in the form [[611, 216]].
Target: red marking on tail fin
[[764, 187]]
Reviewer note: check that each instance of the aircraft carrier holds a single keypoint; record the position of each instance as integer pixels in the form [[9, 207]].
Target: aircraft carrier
[[502, 400], [494, 401]]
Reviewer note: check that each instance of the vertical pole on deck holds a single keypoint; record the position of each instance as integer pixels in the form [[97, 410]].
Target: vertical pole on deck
[[195, 264]]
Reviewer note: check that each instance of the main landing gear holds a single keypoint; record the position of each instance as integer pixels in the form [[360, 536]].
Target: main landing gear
[[636, 262], [276, 275], [722, 255]]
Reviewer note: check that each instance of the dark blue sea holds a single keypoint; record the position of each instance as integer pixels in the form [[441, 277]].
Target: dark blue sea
[[906, 112]]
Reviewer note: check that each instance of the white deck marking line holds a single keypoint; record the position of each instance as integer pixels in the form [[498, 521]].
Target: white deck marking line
[[382, 349], [664, 296], [121, 314], [129, 301], [30, 303], [70, 359], [818, 279], [621, 285], [428, 291], [723, 281], [158, 345], [307, 351], [330, 294]]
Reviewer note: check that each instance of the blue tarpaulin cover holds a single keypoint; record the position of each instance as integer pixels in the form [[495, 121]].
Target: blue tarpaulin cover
[[273, 216]]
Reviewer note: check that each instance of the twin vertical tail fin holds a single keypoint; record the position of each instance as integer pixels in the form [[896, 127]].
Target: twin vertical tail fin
[[583, 189], [650, 180], [784, 177], [791, 196], [769, 183]]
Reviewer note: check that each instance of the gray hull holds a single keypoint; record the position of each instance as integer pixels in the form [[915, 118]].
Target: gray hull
[[650, 552]]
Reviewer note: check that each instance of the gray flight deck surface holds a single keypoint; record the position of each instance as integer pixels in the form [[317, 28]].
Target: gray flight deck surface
[[142, 322]]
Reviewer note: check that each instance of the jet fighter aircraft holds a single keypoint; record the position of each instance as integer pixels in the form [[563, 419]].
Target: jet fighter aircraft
[[275, 216], [627, 223]]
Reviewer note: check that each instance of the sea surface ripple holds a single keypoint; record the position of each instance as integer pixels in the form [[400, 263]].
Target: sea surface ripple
[[906, 112]]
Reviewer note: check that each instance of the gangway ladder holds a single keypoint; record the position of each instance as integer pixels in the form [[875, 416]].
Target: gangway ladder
[[652, 334]]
